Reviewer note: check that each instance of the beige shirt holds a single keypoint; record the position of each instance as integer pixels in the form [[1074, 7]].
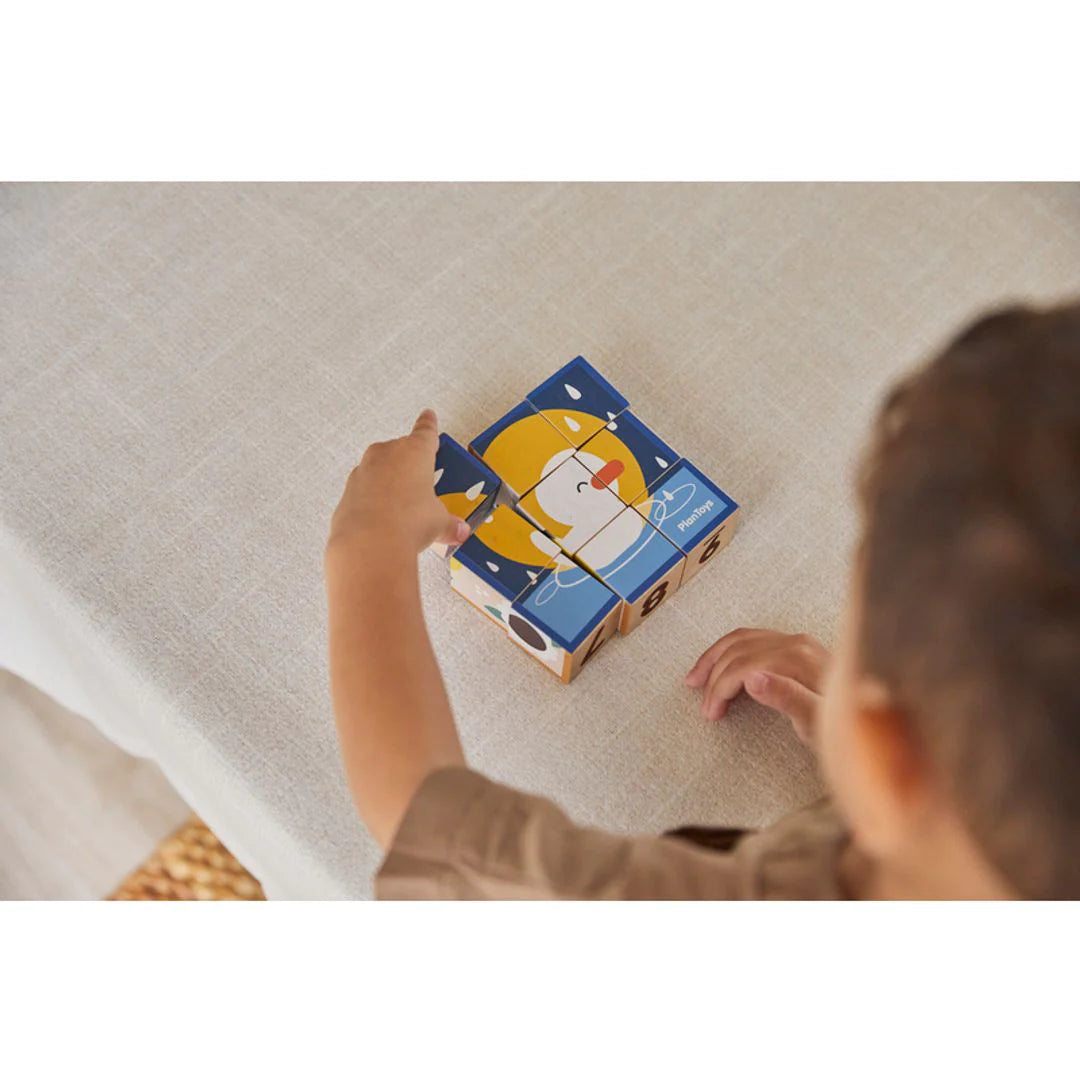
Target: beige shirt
[[465, 837]]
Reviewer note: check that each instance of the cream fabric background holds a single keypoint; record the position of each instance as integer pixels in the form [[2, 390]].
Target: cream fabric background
[[189, 371]]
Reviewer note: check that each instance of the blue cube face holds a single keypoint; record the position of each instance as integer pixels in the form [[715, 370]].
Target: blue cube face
[[507, 552], [567, 603], [685, 505], [463, 483], [628, 456], [629, 555], [577, 401]]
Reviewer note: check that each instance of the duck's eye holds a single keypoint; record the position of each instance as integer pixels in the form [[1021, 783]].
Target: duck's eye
[[584, 483]]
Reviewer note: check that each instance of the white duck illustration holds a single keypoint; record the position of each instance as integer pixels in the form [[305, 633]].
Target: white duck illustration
[[585, 500]]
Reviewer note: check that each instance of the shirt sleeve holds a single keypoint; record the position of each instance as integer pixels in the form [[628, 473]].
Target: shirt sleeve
[[467, 837]]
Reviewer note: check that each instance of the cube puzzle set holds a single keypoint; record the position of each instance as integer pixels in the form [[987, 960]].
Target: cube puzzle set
[[584, 520]]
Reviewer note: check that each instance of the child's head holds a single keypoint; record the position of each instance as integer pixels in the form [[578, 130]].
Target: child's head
[[951, 723]]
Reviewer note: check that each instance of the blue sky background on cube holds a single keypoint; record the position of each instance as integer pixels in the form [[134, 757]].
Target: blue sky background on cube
[[485, 438], [686, 505], [505, 575], [653, 455], [645, 560], [567, 604], [578, 385], [460, 469]]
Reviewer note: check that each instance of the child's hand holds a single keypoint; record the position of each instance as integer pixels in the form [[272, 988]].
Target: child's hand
[[784, 671], [390, 495]]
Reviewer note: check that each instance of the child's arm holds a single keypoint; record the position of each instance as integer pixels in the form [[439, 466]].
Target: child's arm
[[784, 671], [393, 715], [457, 833]]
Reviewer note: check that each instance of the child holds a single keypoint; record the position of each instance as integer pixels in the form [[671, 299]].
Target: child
[[947, 723]]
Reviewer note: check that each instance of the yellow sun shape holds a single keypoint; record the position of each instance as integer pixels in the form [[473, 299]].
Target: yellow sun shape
[[510, 535]]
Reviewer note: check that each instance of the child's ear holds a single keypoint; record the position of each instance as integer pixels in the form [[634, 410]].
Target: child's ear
[[896, 780]]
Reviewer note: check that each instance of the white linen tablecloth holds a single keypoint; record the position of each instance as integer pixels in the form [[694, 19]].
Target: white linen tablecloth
[[189, 371]]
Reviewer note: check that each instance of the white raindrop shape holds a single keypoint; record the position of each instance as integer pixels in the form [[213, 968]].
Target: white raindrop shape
[[613, 426], [493, 567], [438, 475], [532, 576], [489, 519], [571, 423], [661, 462], [573, 391], [474, 491]]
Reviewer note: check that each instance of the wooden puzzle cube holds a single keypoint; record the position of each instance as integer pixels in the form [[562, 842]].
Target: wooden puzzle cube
[[550, 607], [564, 617], [577, 401], [627, 456], [571, 505], [521, 448], [464, 485], [504, 555], [638, 563], [607, 520], [692, 512]]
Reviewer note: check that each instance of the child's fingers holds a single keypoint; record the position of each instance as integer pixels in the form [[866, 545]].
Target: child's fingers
[[725, 682], [707, 661], [729, 673], [455, 531], [786, 695], [427, 426], [697, 675]]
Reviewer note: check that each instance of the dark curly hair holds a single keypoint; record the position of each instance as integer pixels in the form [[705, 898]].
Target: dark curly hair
[[971, 583]]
